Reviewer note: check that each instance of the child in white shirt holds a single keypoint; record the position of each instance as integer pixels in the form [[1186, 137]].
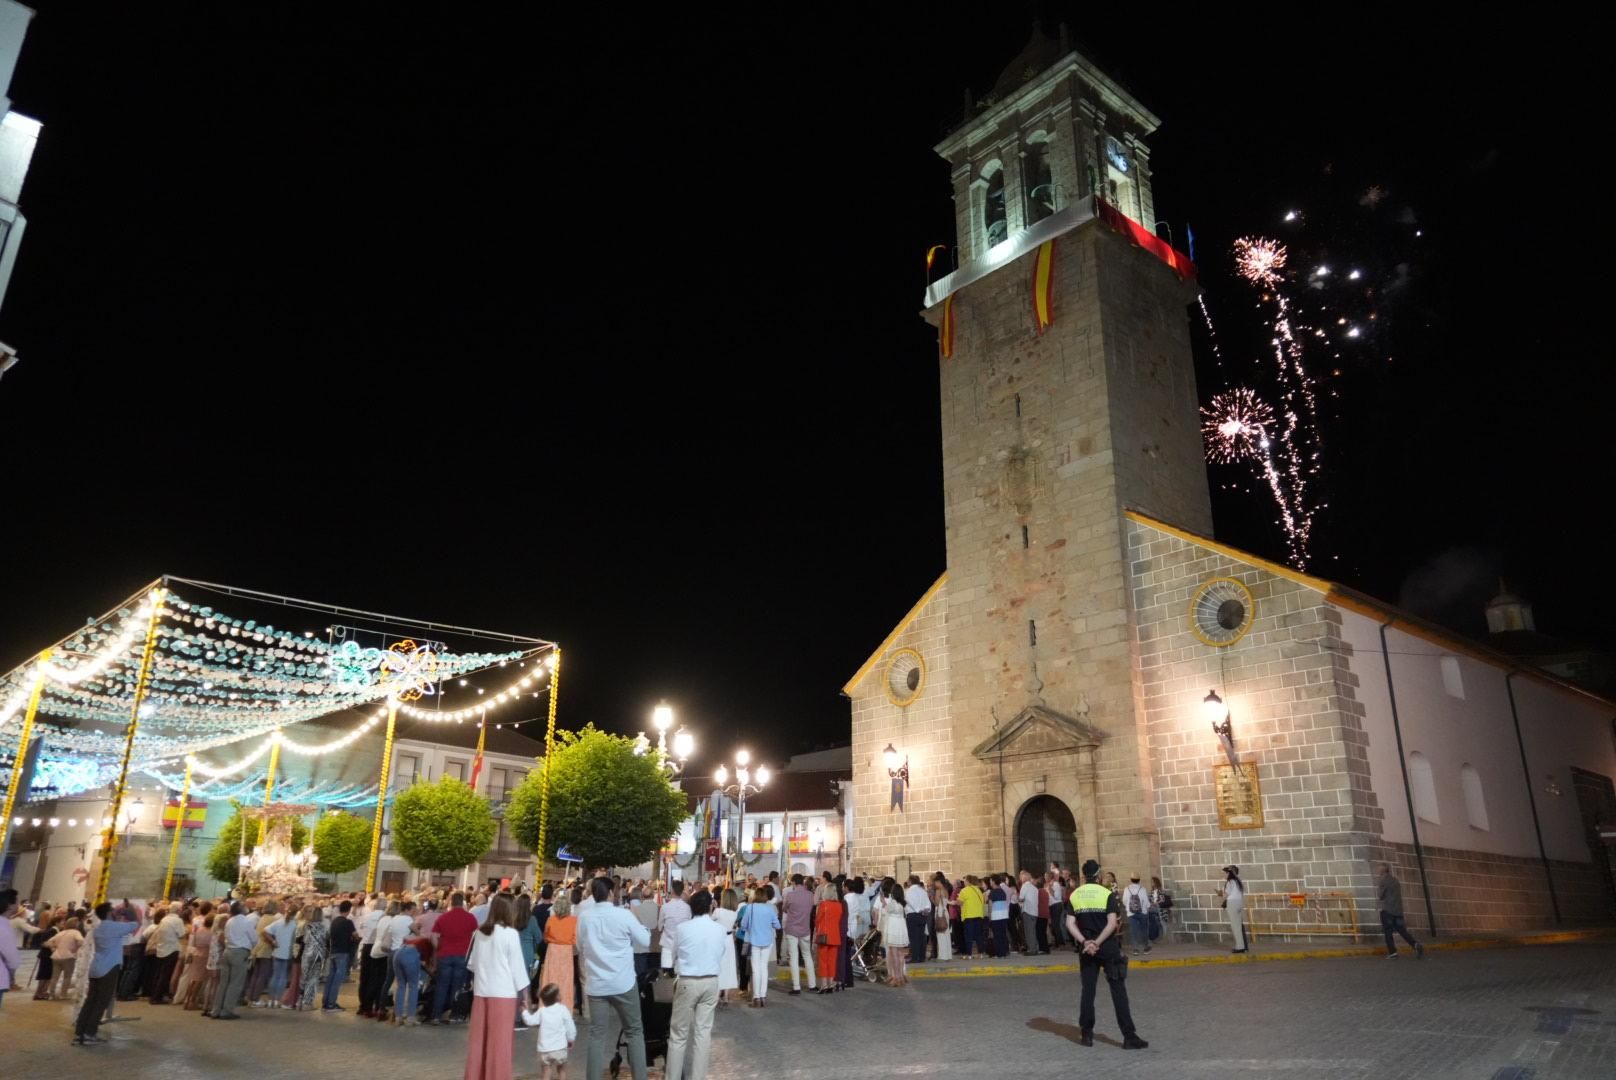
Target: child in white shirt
[[557, 1032]]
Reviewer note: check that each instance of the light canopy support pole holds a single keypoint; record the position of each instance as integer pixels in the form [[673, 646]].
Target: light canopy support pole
[[20, 762], [381, 796], [179, 825], [269, 783], [544, 787], [109, 842]]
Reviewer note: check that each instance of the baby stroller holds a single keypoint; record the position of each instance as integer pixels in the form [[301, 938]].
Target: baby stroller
[[869, 958], [656, 1017]]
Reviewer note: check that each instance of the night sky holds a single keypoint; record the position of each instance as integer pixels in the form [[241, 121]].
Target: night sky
[[608, 332]]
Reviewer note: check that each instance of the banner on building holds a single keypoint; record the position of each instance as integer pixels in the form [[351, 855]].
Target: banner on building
[[712, 857], [1043, 286], [196, 813], [1127, 226], [945, 339]]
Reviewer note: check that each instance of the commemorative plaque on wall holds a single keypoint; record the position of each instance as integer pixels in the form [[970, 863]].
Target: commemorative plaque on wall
[[1239, 795]]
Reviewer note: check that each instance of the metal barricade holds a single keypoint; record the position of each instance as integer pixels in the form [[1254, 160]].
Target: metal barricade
[[1302, 914]]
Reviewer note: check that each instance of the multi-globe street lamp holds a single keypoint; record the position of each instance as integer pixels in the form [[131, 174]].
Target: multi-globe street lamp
[[747, 782], [684, 743]]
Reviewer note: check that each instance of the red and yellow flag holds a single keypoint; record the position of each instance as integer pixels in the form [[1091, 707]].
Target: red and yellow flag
[[945, 340], [1043, 286], [196, 813], [931, 255]]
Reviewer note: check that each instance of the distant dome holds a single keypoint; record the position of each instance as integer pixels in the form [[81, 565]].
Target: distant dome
[[1040, 52]]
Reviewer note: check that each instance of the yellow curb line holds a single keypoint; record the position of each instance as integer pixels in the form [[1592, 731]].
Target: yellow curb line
[[1562, 937]]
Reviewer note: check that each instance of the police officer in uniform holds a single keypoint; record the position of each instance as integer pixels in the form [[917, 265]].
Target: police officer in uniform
[[1093, 921]]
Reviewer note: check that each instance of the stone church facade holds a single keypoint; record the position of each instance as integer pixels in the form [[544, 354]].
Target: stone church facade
[[1044, 699]]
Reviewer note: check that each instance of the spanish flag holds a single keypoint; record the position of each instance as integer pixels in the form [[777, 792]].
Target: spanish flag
[[945, 340], [196, 813], [931, 255], [1043, 286]]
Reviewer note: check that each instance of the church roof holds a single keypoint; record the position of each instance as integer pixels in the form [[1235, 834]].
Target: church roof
[[1040, 52], [1362, 603], [897, 631]]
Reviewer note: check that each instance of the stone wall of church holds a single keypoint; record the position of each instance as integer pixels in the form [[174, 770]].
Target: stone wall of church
[[1291, 699], [1044, 437], [923, 832]]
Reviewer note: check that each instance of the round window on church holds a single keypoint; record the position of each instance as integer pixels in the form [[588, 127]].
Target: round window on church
[[906, 677], [1221, 611]]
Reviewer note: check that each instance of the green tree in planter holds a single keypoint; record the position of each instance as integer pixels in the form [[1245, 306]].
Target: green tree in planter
[[342, 841], [222, 861], [441, 826], [608, 805]]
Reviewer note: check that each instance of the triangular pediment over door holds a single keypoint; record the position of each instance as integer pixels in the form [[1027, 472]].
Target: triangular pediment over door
[[1037, 730]]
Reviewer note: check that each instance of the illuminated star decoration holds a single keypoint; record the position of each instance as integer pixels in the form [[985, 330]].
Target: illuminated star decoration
[[409, 670]]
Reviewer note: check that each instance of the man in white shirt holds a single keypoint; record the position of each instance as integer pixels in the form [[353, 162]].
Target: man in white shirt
[[1136, 903], [917, 917], [646, 911], [674, 911], [858, 910], [607, 936], [166, 948], [390, 935], [1027, 899], [698, 950]]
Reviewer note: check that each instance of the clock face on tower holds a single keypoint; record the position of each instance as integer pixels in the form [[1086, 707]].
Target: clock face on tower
[[1115, 154]]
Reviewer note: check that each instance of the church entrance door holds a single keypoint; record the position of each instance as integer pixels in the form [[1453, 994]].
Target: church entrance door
[[1045, 833]]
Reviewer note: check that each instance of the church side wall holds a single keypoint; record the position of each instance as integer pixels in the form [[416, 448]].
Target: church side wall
[[924, 831], [1292, 702], [1485, 873]]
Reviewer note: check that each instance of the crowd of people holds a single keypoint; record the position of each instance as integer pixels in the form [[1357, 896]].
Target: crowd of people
[[504, 956]]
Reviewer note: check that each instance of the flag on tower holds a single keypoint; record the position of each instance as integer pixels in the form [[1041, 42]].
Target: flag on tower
[[1043, 286], [945, 340]]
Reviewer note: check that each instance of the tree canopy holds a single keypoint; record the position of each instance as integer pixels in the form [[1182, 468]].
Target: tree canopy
[[342, 841], [223, 860], [441, 826], [608, 805]]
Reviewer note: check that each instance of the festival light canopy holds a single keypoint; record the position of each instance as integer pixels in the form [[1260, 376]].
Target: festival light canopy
[[215, 679]]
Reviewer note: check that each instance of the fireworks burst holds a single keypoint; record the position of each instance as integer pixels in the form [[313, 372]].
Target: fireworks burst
[[1259, 260], [1236, 427]]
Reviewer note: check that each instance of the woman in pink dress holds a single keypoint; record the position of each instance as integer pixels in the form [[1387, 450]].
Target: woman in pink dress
[[197, 975], [499, 977]]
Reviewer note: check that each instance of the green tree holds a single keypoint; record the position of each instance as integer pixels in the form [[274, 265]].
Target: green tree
[[608, 805], [342, 841], [441, 826], [222, 861]]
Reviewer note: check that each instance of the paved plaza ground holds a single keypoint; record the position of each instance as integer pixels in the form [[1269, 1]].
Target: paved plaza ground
[[1523, 1013]]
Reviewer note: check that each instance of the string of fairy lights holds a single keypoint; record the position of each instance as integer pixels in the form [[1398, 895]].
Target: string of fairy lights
[[215, 680]]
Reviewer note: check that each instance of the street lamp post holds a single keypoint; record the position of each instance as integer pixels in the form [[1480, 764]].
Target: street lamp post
[[684, 744], [743, 786]]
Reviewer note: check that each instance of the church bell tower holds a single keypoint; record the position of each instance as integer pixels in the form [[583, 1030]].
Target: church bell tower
[[1068, 395]]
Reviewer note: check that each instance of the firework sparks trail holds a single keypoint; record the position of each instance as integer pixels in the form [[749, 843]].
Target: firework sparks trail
[[1287, 452]]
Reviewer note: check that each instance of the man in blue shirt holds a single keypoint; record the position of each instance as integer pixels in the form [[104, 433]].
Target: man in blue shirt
[[607, 937], [106, 964]]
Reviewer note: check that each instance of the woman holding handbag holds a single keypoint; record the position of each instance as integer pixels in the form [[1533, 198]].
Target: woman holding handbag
[[827, 938]]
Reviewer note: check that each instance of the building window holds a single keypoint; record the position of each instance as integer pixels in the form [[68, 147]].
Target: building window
[[1475, 801], [409, 769], [1452, 680], [456, 769], [995, 219], [1422, 787], [1040, 184]]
